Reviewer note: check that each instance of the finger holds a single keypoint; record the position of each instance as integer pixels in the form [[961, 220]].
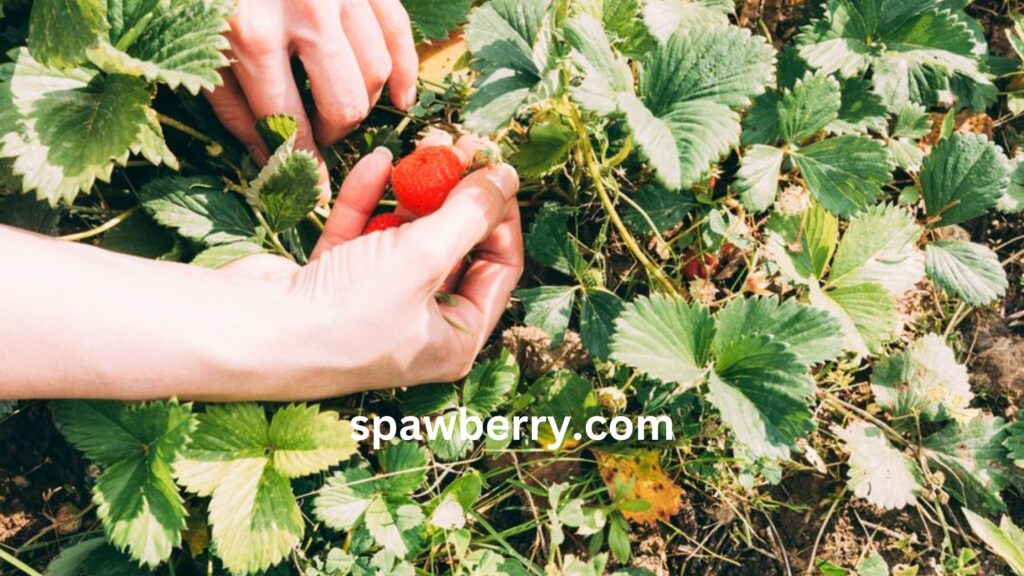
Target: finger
[[367, 40], [334, 79], [405, 63], [488, 282], [228, 103], [263, 69], [465, 148], [435, 243], [434, 137], [262, 267], [360, 193]]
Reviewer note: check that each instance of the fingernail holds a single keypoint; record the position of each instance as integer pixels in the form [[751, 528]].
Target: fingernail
[[410, 98], [384, 151]]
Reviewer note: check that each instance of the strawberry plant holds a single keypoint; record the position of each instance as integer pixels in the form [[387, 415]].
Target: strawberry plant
[[796, 234]]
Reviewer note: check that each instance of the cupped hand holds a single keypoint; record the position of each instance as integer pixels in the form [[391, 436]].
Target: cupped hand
[[375, 319], [349, 48]]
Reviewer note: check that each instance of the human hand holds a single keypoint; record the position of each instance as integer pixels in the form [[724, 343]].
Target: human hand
[[349, 48], [373, 319]]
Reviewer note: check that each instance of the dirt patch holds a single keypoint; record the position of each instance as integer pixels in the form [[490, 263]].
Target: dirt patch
[[531, 347]]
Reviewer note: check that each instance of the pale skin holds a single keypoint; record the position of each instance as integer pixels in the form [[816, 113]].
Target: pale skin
[[81, 322]]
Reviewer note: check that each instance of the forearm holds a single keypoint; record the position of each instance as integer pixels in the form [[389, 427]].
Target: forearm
[[80, 322]]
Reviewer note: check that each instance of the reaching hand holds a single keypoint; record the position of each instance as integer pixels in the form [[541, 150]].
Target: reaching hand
[[349, 48]]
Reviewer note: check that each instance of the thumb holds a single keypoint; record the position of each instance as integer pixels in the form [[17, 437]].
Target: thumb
[[475, 207]]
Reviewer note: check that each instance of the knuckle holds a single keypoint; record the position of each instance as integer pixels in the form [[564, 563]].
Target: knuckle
[[377, 73], [350, 110]]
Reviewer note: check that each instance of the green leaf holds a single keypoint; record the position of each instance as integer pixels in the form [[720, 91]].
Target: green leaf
[[287, 188], [137, 500], [873, 565], [560, 394], [489, 384], [1013, 198], [387, 525], [622, 21], [548, 308], [879, 473], [218, 257], [61, 30], [845, 173], [277, 129], [1006, 540], [665, 338], [436, 19], [860, 111], [550, 244], [546, 150], [198, 209], [93, 556], [345, 497], [665, 17], [605, 74], [664, 208], [511, 46], [763, 394], [140, 236], [802, 245], [429, 399], [599, 309], [971, 458], [963, 177], [243, 463], [757, 180], [66, 129], [923, 380], [967, 270], [1014, 442], [811, 105], [405, 467], [879, 246], [151, 144], [813, 335], [866, 311], [27, 212], [761, 122], [178, 43]]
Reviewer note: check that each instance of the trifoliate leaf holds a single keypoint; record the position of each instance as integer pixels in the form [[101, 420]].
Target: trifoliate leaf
[[287, 188], [967, 270], [598, 311], [879, 246], [802, 245], [60, 30], [665, 17], [199, 209], [861, 110], [867, 313], [67, 128], [758, 178], [94, 556], [176, 43], [664, 337], [925, 380], [548, 308], [220, 256], [404, 465], [550, 244], [1006, 540], [345, 497], [243, 463], [971, 457], [963, 177], [763, 393], [511, 42], [879, 473], [489, 384], [845, 173], [546, 150], [436, 19], [812, 104], [138, 503], [813, 335]]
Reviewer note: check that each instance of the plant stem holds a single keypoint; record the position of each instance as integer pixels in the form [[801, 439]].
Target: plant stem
[[275, 240], [653, 270], [13, 561], [848, 409], [113, 222], [183, 128]]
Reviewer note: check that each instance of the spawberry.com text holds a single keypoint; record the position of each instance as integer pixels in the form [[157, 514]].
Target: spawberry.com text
[[553, 430]]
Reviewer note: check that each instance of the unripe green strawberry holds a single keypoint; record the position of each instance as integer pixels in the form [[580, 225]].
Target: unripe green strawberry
[[423, 179], [383, 222]]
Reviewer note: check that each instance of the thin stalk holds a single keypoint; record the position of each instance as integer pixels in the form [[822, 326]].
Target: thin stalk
[[13, 561], [183, 128], [590, 158], [109, 224], [275, 240]]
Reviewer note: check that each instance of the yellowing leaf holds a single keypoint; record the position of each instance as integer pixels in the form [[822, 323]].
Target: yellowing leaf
[[642, 472], [439, 59]]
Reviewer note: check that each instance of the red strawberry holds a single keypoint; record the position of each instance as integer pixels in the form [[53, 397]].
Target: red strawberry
[[423, 179], [699, 266], [383, 222]]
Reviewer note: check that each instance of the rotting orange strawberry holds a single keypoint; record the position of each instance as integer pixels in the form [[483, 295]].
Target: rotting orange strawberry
[[422, 180], [383, 222], [699, 265]]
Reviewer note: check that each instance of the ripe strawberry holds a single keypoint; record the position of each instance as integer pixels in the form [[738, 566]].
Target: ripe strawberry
[[423, 179], [699, 266], [383, 222]]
